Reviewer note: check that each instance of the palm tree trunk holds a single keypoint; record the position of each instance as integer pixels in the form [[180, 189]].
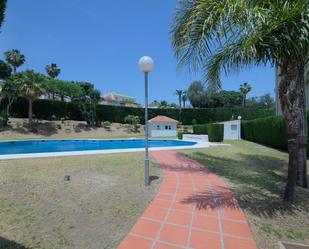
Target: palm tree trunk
[[292, 98], [30, 111], [179, 99], [244, 100], [14, 69]]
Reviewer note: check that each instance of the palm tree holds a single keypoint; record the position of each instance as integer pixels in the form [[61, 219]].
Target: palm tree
[[245, 89], [184, 99], [52, 70], [179, 94], [216, 36], [31, 88], [2, 11], [14, 58]]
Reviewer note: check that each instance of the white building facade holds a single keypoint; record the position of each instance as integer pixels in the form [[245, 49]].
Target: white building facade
[[162, 126]]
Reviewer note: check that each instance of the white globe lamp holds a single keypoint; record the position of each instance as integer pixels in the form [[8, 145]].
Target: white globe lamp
[[146, 64]]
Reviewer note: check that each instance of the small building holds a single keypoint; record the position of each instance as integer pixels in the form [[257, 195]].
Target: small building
[[162, 126]]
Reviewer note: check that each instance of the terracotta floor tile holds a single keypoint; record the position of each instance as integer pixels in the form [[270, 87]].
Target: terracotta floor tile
[[179, 218], [204, 240], [174, 234], [164, 246], [165, 196], [155, 213], [235, 243], [206, 222], [182, 206], [236, 214], [188, 186], [146, 228], [207, 211], [236, 228], [132, 242], [161, 202]]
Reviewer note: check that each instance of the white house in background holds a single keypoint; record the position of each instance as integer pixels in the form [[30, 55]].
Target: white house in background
[[117, 99], [162, 126]]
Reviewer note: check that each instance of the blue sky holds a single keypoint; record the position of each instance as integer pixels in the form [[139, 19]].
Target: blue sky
[[101, 41]]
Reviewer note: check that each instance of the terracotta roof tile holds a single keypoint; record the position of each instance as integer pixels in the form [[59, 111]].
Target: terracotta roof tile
[[163, 119]]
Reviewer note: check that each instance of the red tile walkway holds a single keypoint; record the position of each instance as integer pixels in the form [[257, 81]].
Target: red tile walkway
[[193, 209]]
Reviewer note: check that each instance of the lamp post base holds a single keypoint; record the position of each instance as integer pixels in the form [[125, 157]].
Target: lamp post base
[[146, 172]]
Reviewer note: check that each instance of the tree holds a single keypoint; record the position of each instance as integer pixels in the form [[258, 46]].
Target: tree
[[184, 99], [52, 70], [2, 11], [245, 89], [266, 101], [195, 93], [5, 70], [31, 88], [11, 90], [14, 58], [179, 93], [87, 102], [216, 35]]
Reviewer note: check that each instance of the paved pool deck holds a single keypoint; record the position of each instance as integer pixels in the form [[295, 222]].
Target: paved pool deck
[[193, 209]]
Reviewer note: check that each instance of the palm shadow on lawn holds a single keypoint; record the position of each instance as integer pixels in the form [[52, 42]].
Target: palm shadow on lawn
[[257, 182], [8, 244]]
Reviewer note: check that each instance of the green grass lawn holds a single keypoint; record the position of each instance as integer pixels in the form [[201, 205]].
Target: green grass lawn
[[94, 210], [257, 175]]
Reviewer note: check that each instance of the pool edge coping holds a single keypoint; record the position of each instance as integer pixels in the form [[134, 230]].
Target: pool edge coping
[[198, 145]]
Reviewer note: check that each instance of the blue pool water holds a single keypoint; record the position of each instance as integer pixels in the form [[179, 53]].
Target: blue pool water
[[41, 146]]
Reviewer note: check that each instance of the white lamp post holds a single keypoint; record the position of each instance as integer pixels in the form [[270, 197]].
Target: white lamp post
[[239, 127], [146, 64]]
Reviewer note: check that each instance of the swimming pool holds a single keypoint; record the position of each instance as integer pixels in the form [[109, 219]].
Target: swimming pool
[[54, 146]]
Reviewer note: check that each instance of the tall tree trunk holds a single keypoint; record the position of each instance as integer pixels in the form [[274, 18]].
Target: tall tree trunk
[[30, 111], [10, 102], [14, 69], [292, 99], [244, 100], [179, 99]]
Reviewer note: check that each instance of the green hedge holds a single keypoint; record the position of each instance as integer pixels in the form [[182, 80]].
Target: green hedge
[[46, 109], [215, 132], [200, 129], [268, 131]]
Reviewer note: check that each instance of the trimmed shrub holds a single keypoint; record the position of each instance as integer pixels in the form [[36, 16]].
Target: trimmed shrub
[[180, 135], [3, 119], [268, 131], [215, 132], [200, 129]]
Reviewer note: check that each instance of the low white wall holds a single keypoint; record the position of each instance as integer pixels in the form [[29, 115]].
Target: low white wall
[[190, 137]]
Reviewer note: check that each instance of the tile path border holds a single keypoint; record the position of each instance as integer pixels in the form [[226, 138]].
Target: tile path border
[[193, 209]]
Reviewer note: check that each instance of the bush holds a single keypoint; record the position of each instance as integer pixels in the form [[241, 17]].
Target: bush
[[268, 131], [200, 129], [134, 121], [107, 124], [194, 122], [215, 132], [180, 135]]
